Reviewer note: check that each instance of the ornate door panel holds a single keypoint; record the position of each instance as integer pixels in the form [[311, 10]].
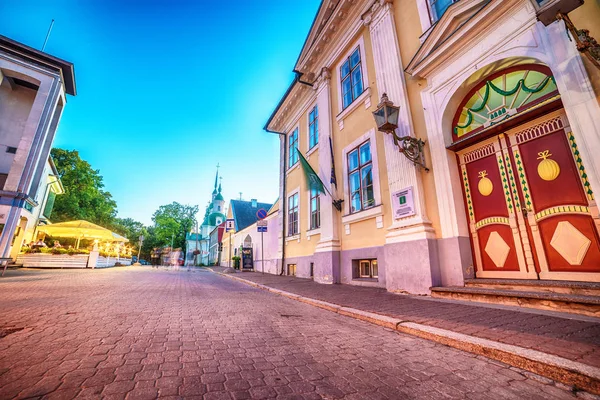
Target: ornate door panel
[[495, 235], [556, 200]]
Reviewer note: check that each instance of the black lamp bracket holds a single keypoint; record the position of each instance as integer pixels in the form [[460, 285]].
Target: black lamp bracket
[[412, 148]]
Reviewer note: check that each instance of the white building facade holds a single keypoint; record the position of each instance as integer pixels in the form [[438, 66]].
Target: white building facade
[[33, 90]]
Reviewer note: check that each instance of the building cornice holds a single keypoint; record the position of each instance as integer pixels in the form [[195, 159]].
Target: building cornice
[[458, 28]]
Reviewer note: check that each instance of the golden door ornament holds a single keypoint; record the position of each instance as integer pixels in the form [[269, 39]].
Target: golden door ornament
[[485, 185], [547, 169]]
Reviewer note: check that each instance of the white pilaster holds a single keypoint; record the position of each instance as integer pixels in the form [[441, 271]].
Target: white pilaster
[[578, 97], [390, 79], [329, 219]]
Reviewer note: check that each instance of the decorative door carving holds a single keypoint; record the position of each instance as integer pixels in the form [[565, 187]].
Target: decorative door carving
[[557, 202], [497, 241]]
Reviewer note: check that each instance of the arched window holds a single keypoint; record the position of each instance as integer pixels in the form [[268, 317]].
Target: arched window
[[502, 96], [248, 241]]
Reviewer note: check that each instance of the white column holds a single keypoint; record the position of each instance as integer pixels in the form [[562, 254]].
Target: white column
[[578, 97], [329, 219], [390, 79]]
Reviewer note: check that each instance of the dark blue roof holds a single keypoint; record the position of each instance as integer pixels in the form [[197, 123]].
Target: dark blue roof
[[244, 214]]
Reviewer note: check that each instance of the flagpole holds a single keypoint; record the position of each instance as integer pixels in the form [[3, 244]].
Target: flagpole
[[309, 171]]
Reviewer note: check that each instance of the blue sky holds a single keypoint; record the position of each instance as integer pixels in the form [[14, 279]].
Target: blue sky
[[168, 89]]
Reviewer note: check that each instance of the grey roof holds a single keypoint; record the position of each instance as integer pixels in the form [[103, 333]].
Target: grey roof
[[244, 214]]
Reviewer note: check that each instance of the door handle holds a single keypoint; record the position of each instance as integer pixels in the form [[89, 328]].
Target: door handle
[[524, 210]]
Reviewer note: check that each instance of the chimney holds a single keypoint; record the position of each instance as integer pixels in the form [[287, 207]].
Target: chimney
[[254, 203]]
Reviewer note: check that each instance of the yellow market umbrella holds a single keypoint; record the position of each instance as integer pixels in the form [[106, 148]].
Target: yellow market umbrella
[[81, 230]]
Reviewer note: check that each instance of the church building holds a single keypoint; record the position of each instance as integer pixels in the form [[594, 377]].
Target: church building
[[213, 217]]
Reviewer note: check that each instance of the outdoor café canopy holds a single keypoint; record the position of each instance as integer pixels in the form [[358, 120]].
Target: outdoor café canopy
[[81, 230]]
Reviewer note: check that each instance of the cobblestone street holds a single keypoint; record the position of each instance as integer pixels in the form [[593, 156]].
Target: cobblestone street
[[142, 333]]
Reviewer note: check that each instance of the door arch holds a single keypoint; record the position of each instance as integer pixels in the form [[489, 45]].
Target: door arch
[[514, 145]]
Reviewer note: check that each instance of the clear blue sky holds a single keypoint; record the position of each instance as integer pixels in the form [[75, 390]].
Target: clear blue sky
[[167, 89]]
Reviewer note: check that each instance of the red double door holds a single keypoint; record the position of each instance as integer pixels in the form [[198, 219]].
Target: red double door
[[531, 209]]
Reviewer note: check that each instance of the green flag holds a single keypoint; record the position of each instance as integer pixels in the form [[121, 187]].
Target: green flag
[[314, 182]]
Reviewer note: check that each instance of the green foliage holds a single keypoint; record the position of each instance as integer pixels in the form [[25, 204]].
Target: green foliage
[[129, 228], [84, 197], [236, 262], [56, 251], [173, 221]]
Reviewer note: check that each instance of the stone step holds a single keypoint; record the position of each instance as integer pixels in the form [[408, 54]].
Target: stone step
[[560, 302], [537, 285]]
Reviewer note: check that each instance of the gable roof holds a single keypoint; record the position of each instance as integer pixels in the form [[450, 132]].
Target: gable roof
[[244, 214], [460, 23]]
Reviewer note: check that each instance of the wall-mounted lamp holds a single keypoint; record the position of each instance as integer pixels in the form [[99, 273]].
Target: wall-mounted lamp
[[386, 117]]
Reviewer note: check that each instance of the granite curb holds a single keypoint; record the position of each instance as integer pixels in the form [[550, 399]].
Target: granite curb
[[560, 369]]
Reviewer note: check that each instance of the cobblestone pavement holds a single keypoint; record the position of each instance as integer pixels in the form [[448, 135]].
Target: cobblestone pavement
[[574, 339], [142, 333]]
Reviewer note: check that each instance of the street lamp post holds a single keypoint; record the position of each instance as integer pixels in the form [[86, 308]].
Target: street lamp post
[[141, 238]]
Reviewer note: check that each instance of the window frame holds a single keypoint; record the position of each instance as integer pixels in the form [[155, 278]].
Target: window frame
[[294, 134], [295, 223], [313, 124], [433, 17], [360, 167], [314, 214], [348, 218], [290, 267], [358, 66], [370, 263], [360, 43]]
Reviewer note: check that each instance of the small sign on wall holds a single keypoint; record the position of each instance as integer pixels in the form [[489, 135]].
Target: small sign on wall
[[403, 203]]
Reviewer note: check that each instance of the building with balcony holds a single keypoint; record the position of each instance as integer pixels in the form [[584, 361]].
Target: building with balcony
[[507, 107], [33, 90]]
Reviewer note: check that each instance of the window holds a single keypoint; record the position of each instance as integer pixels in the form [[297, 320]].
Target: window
[[3, 178], [360, 177], [11, 150], [368, 269], [437, 8], [351, 78], [293, 148], [293, 215], [315, 209], [291, 269], [313, 128]]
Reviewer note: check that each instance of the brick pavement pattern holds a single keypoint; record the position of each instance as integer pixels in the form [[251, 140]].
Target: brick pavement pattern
[[569, 338], [141, 333]]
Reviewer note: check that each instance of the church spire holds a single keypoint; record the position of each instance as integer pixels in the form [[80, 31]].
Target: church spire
[[216, 180]]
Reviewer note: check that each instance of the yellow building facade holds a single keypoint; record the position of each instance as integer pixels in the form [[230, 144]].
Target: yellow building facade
[[408, 228]]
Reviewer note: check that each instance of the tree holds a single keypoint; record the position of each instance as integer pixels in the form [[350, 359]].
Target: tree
[[129, 228], [172, 222], [84, 196]]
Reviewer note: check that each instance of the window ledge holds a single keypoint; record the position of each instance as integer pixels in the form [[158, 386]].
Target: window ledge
[[366, 279], [308, 153], [365, 98], [294, 237], [292, 168], [363, 215], [316, 231]]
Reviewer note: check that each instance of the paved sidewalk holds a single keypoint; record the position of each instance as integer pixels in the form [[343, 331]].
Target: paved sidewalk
[[573, 339], [139, 333]]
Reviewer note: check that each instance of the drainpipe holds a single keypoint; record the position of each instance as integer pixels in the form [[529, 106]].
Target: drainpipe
[[282, 199]]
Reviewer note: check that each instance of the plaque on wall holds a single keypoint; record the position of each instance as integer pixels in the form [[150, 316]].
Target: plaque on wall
[[403, 203]]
